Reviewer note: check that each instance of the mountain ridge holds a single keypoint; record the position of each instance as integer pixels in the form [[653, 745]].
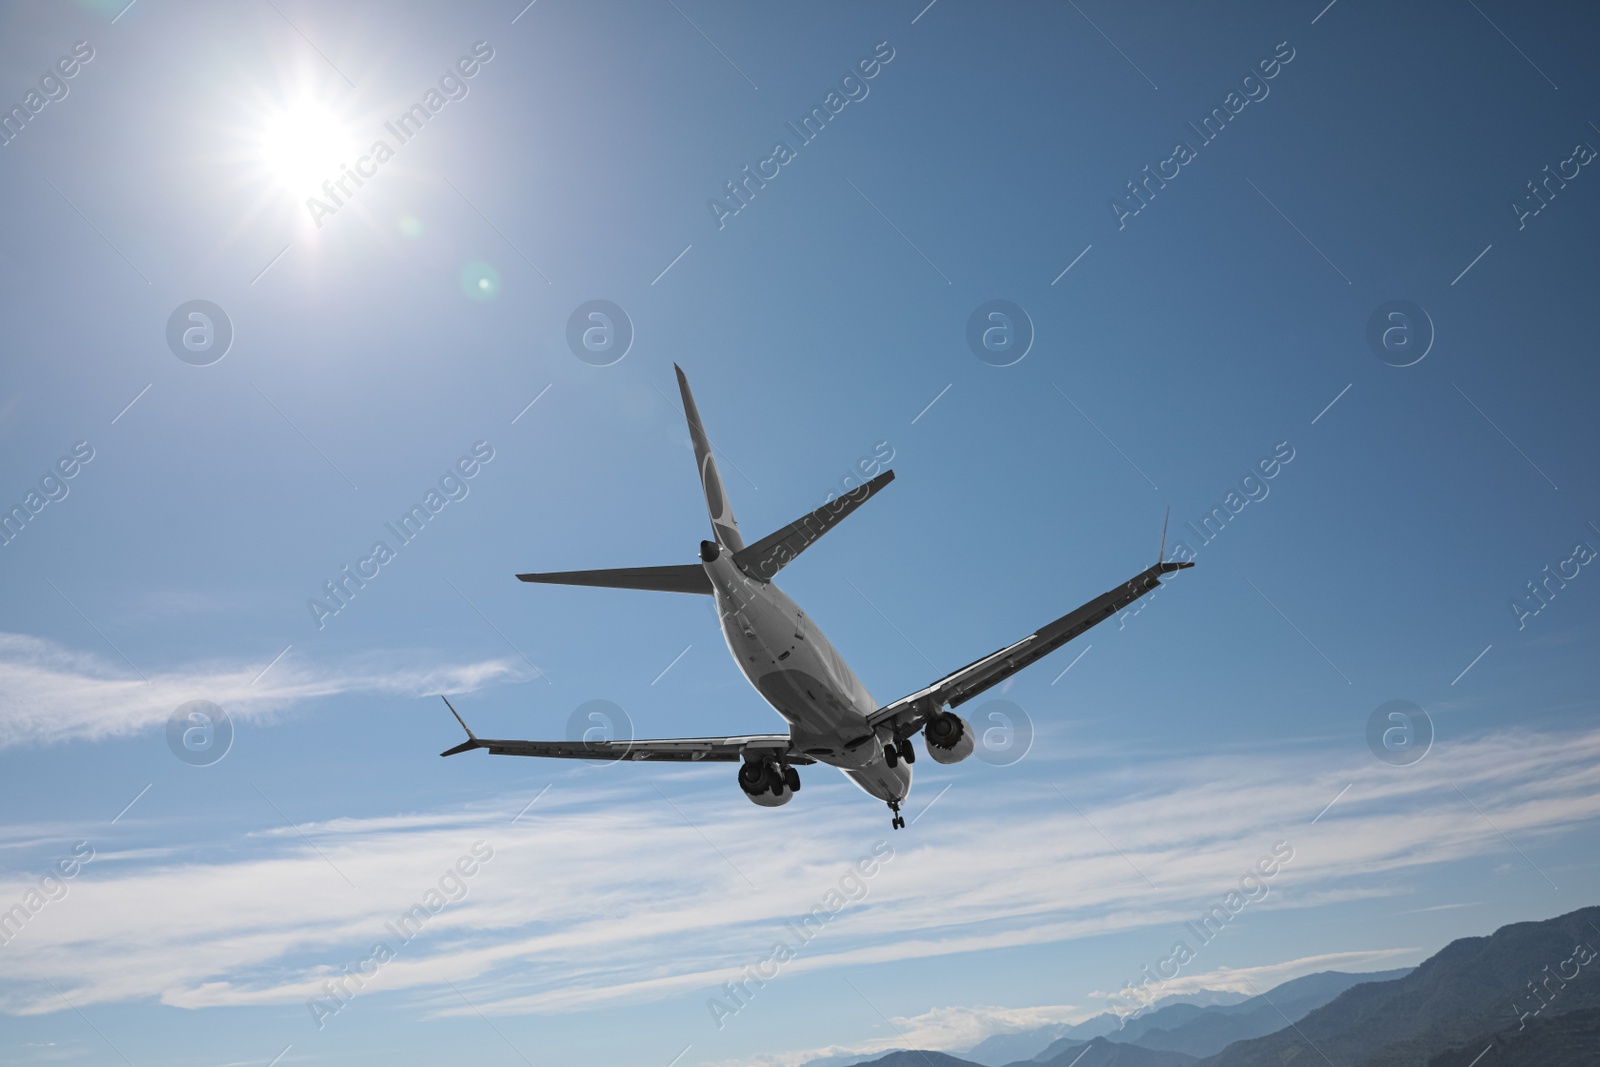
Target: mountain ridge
[[1529, 991]]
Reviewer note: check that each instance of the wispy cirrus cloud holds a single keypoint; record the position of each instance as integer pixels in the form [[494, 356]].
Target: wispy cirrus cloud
[[602, 894], [50, 693]]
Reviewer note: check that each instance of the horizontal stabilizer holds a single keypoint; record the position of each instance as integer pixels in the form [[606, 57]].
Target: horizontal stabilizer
[[768, 556], [683, 578]]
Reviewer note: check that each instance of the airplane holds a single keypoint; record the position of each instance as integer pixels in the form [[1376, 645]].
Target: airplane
[[832, 718]]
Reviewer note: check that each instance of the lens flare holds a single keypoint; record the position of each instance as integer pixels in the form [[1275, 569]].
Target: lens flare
[[480, 281]]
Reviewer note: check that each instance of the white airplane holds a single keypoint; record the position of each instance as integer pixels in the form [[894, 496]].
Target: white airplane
[[832, 718]]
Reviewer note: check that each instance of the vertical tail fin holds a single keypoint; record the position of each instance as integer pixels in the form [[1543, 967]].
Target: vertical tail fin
[[722, 520]]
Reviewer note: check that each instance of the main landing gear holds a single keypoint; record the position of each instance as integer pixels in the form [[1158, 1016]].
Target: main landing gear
[[895, 751], [898, 822]]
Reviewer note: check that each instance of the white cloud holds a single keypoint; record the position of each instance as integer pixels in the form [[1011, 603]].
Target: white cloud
[[50, 694], [602, 894], [1253, 980]]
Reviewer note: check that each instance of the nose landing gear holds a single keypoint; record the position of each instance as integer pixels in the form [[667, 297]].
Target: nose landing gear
[[898, 822]]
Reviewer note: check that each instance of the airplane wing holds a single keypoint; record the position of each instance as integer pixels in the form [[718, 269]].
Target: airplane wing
[[672, 749], [909, 713]]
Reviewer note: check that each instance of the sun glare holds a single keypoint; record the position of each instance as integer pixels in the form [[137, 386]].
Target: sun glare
[[303, 145]]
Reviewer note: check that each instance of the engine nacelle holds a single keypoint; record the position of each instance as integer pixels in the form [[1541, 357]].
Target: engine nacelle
[[764, 784], [948, 738]]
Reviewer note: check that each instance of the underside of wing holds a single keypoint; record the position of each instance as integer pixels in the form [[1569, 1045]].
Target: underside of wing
[[910, 712], [672, 749]]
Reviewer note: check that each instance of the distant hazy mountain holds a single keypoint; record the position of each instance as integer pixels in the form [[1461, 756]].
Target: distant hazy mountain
[[849, 1060], [1035, 1044], [1210, 1030], [1473, 989], [1101, 1052], [1112, 1026], [1213, 1020], [1528, 995], [916, 1058], [1024, 1045]]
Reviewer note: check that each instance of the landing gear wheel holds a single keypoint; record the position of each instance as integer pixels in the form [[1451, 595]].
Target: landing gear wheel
[[791, 778], [898, 822], [891, 756], [907, 753]]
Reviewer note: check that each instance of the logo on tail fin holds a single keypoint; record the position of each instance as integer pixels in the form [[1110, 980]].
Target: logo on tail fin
[[716, 499], [722, 520]]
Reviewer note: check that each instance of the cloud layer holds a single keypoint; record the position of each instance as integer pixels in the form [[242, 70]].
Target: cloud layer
[[50, 694], [609, 891]]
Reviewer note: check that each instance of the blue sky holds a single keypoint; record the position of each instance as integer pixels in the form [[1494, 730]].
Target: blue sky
[[1186, 343]]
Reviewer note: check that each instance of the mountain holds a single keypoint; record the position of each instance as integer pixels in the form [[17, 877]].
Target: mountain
[[1178, 1006], [917, 1058], [1474, 988], [1024, 1045], [1549, 1041], [1527, 995], [1097, 1052], [847, 1060], [1102, 1052], [1206, 1023], [1213, 1029], [1036, 1044]]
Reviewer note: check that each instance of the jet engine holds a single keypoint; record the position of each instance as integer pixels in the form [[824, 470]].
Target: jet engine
[[948, 738], [767, 784]]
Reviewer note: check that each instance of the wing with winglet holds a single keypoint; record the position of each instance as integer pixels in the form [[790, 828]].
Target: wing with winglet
[[671, 749], [911, 712]]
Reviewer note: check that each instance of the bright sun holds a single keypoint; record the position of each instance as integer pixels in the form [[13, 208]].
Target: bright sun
[[303, 145]]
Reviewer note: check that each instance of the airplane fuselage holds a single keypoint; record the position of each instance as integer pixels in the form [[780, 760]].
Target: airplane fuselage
[[796, 670]]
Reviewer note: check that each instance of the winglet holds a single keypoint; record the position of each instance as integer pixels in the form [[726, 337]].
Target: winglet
[[472, 741], [1161, 556]]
